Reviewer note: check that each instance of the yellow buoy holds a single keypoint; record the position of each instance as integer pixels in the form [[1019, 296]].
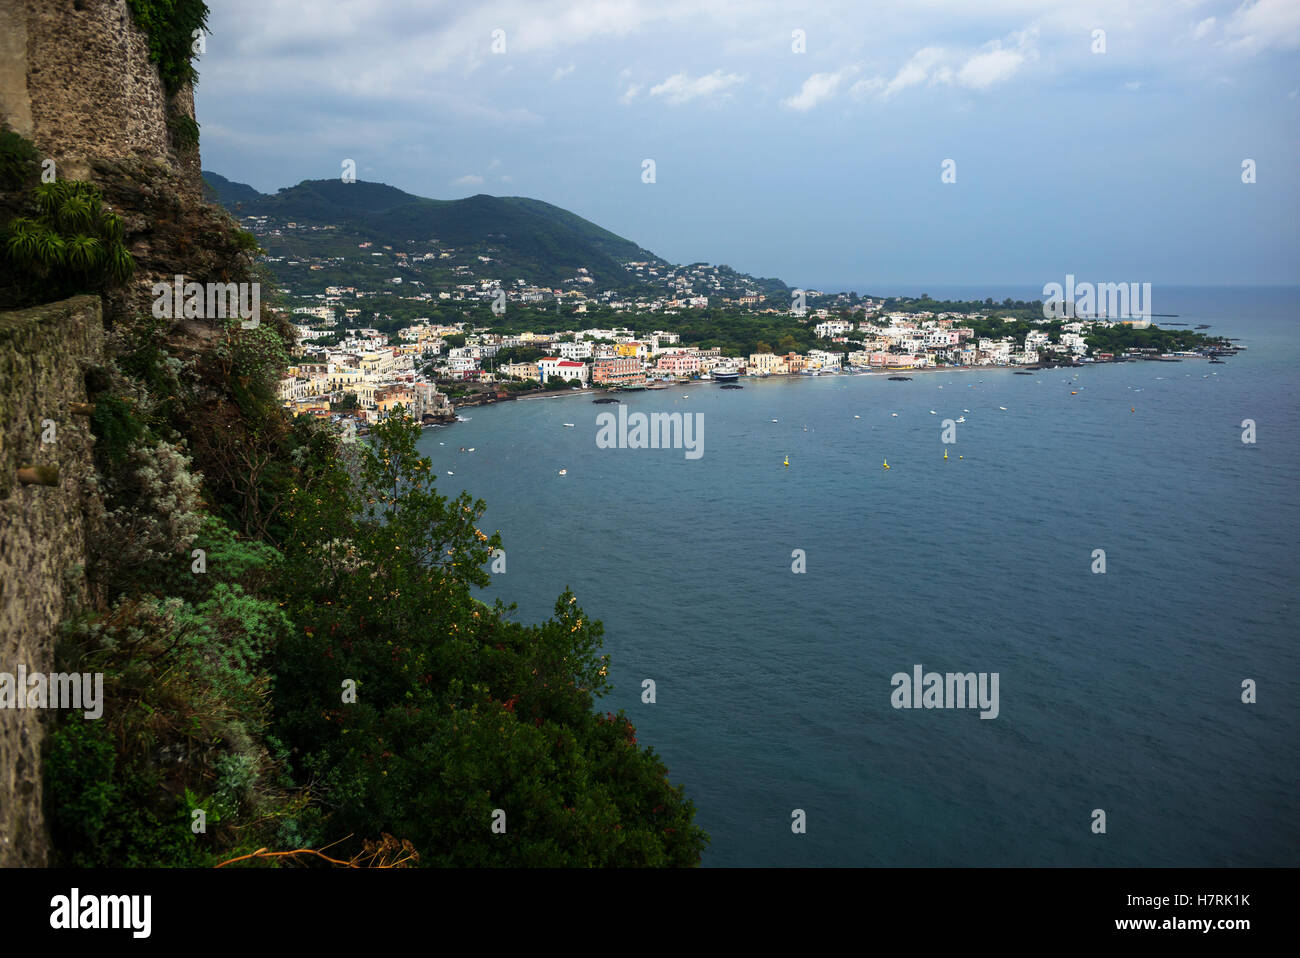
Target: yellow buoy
[[787, 460], [886, 463], [945, 454]]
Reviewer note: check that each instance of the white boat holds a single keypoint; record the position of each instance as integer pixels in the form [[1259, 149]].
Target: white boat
[[1003, 408], [960, 419], [564, 472], [569, 425], [933, 413]]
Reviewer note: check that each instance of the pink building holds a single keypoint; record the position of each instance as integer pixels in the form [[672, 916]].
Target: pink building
[[679, 364]]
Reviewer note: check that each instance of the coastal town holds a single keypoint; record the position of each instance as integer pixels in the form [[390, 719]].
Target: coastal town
[[363, 374]]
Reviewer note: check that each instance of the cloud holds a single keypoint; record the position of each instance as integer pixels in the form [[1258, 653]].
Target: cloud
[[868, 87], [986, 69], [630, 93], [562, 72], [469, 179], [680, 88], [1133, 85], [816, 89], [1264, 24], [938, 66], [1203, 28], [915, 71]]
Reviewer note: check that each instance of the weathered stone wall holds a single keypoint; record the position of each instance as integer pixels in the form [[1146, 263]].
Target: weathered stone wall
[[76, 80], [44, 353]]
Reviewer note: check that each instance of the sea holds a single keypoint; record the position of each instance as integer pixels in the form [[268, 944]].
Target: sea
[[1122, 736]]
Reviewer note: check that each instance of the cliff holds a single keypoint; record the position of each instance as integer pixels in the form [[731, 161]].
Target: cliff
[[44, 355], [76, 79]]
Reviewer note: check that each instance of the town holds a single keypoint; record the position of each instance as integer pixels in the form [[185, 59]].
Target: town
[[429, 327], [362, 374]]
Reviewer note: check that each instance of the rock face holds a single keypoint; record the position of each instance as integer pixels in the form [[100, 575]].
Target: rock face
[[44, 354], [76, 80]]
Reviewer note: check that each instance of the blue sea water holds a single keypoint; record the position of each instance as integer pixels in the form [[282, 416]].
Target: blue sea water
[[1119, 691]]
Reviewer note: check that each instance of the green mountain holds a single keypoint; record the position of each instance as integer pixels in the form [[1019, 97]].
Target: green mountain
[[524, 238]]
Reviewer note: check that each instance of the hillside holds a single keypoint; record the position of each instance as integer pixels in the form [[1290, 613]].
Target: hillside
[[523, 238], [330, 233]]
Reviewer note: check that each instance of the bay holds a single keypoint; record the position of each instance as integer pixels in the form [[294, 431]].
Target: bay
[[1119, 692]]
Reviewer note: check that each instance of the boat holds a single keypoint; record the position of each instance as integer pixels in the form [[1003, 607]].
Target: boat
[[725, 375], [960, 419], [564, 472], [933, 413], [857, 417], [1003, 408], [568, 425]]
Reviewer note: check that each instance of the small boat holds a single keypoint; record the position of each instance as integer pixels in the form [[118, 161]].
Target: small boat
[[1074, 392], [471, 448], [773, 420], [450, 473], [965, 410], [857, 417], [568, 425], [564, 472], [960, 419], [894, 415], [1003, 408], [933, 413]]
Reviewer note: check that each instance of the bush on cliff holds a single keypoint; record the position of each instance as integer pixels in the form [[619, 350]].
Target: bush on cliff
[[458, 711]]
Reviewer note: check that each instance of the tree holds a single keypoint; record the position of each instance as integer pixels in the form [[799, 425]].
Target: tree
[[458, 709]]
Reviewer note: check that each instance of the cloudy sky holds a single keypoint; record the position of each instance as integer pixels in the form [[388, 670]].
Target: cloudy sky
[[807, 141]]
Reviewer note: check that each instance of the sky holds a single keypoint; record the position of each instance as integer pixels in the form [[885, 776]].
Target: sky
[[833, 145]]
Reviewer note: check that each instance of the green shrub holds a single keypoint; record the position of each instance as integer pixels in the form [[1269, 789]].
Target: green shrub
[[69, 244], [19, 160], [170, 26]]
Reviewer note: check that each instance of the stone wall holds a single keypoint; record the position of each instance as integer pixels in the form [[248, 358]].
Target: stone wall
[[44, 354], [76, 80]]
